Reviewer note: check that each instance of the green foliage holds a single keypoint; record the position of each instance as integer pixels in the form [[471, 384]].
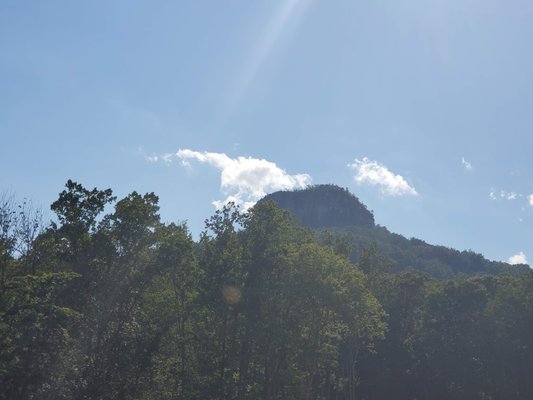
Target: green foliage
[[345, 223], [124, 306], [79, 206], [34, 328], [402, 254]]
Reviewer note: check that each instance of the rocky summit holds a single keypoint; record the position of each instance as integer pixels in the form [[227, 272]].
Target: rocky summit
[[323, 206]]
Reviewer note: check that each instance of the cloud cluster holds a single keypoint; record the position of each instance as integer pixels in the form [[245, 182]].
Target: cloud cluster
[[519, 258], [502, 194], [374, 173], [530, 199], [166, 158], [466, 164], [244, 180]]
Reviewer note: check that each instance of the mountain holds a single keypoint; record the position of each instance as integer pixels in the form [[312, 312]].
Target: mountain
[[338, 215], [323, 206]]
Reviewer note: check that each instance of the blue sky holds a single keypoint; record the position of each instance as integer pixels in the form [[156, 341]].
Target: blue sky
[[423, 109]]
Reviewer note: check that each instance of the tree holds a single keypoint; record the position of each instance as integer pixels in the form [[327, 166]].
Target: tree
[[8, 222], [511, 353], [34, 328], [455, 339], [171, 319], [221, 298]]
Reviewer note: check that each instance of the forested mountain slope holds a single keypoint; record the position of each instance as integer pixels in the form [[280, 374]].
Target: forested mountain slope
[[336, 214]]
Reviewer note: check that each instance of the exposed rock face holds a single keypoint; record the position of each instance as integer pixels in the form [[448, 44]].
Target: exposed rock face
[[323, 206]]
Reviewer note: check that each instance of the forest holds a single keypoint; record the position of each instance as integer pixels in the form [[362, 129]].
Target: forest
[[109, 302]]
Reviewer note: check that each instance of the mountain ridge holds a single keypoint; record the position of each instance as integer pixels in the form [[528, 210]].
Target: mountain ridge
[[331, 210]]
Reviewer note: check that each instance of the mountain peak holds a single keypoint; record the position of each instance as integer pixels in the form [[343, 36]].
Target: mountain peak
[[323, 206]]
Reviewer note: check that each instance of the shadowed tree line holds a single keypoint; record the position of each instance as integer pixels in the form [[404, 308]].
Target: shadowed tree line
[[120, 305]]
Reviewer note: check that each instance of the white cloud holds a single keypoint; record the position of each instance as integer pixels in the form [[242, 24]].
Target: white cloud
[[494, 195], [530, 199], [519, 258], [374, 173], [244, 180], [152, 158], [509, 195], [166, 158], [466, 164]]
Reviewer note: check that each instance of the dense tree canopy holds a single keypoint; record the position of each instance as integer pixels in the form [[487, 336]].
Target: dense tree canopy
[[120, 305]]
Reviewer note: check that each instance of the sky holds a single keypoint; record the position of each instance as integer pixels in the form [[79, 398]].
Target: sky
[[422, 109]]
